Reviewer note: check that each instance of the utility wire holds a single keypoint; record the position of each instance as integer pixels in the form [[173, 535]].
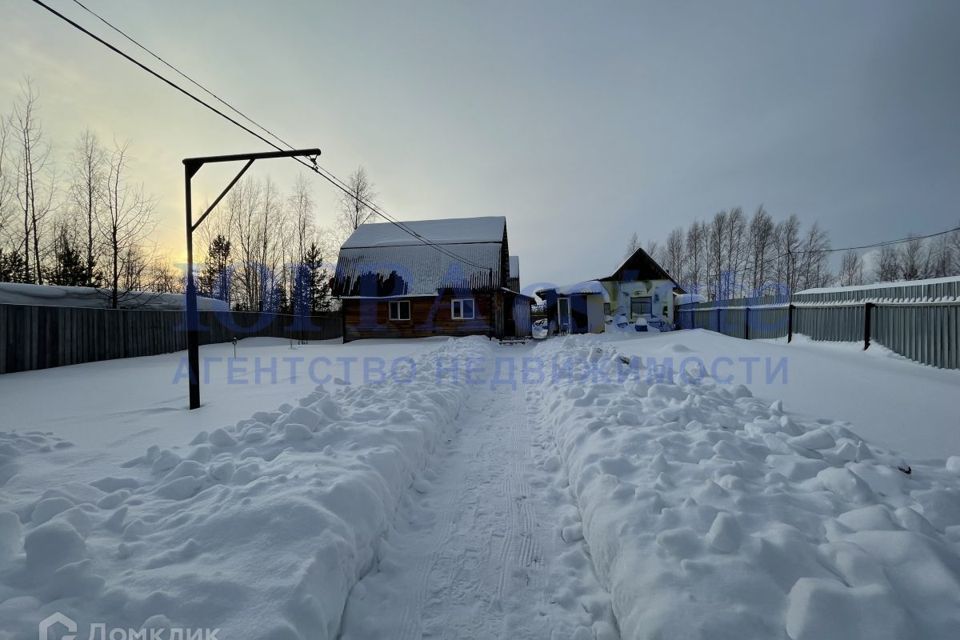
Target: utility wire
[[312, 166]]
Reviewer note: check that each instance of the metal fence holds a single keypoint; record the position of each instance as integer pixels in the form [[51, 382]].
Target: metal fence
[[926, 330], [38, 337]]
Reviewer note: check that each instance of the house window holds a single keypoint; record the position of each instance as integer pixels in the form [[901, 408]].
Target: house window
[[462, 309], [400, 310], [641, 306]]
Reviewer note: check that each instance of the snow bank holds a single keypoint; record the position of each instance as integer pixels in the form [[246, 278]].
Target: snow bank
[[259, 528], [63, 296], [710, 513]]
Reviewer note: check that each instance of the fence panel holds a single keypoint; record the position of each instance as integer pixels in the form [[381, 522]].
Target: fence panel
[[925, 331], [834, 323], [39, 337]]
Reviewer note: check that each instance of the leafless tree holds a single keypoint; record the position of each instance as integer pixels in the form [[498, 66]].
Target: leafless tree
[[302, 208], [813, 267], [851, 269], [696, 250], [86, 192], [6, 186], [953, 240], [34, 182], [675, 256], [717, 236], [888, 264], [912, 259], [734, 249], [762, 249], [632, 245], [354, 205], [787, 233], [125, 220], [162, 277], [939, 257]]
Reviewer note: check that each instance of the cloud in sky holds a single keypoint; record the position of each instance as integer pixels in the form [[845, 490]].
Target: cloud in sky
[[581, 122]]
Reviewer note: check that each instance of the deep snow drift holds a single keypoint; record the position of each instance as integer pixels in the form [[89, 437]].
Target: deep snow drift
[[710, 513], [259, 528]]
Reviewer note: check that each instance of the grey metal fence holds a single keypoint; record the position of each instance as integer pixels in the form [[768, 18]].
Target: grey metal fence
[[925, 331], [39, 337]]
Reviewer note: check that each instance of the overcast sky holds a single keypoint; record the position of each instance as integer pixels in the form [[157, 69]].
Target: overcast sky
[[580, 121]]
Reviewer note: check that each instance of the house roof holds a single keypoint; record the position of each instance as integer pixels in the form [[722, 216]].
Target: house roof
[[640, 266], [444, 232], [514, 266], [381, 259]]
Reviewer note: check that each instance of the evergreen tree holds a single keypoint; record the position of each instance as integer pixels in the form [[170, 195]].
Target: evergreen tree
[[70, 267], [13, 268], [214, 281], [311, 285]]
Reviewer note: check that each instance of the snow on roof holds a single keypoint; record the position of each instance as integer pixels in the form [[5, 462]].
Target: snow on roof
[[514, 266], [443, 231], [46, 295], [585, 288], [415, 270], [383, 260], [883, 285]]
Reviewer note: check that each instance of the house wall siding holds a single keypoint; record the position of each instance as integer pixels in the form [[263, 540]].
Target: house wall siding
[[429, 316]]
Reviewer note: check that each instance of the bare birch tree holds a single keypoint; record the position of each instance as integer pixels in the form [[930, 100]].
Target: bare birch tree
[[354, 205], [34, 181], [851, 269], [86, 193], [762, 249], [125, 220]]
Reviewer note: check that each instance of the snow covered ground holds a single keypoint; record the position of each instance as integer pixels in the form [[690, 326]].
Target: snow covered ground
[[565, 489]]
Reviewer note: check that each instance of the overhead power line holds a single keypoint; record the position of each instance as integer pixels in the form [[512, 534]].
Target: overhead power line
[[312, 166]]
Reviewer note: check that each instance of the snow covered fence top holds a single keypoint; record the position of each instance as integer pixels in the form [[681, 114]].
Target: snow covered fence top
[[93, 298], [916, 290]]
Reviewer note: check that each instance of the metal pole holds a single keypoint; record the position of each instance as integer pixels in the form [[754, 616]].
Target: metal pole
[[790, 323], [867, 312], [193, 317], [190, 168]]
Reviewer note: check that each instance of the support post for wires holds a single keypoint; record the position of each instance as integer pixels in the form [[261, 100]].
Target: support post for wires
[[190, 168], [790, 309], [746, 323]]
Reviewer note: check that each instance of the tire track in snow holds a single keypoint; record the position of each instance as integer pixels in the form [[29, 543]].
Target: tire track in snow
[[476, 552]]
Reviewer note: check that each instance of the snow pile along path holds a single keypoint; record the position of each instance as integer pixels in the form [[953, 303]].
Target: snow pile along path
[[259, 529], [712, 514]]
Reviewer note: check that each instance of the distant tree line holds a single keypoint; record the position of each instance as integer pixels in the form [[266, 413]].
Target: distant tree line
[[79, 220], [265, 252], [733, 255]]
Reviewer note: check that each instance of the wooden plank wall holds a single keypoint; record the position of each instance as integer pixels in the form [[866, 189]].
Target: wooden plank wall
[[429, 316], [39, 337]]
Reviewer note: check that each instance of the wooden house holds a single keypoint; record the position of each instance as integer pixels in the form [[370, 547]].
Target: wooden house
[[431, 277]]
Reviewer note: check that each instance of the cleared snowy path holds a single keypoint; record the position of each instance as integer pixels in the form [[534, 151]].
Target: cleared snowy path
[[478, 551]]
